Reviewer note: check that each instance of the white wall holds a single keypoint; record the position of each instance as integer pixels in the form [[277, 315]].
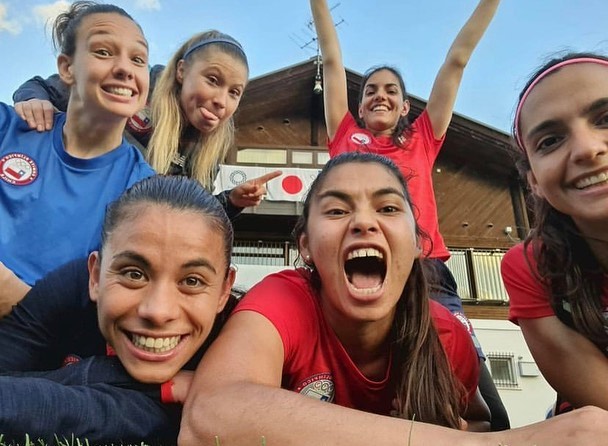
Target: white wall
[[530, 401]]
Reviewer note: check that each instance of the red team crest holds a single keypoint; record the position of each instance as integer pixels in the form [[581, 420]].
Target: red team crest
[[18, 169]]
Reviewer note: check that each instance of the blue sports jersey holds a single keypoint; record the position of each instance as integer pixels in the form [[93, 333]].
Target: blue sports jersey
[[51, 203]]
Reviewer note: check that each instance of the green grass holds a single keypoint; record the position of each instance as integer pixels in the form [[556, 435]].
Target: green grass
[[28, 441]]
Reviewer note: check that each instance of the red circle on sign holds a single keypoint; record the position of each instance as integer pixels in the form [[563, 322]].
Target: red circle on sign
[[292, 184]]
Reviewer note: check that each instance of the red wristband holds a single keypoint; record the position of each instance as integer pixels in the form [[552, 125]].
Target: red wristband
[[166, 392]]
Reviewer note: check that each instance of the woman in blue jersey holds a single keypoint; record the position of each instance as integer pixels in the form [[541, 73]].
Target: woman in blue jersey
[[54, 186]]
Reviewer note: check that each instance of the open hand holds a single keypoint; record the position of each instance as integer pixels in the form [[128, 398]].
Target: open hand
[[37, 112]]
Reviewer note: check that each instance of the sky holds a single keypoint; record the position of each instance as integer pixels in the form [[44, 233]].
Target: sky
[[412, 35]]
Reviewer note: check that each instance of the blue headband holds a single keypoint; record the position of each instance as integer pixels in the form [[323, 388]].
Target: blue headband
[[202, 43]]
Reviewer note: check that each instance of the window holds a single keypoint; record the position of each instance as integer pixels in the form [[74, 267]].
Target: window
[[502, 369], [301, 157], [262, 156], [322, 158]]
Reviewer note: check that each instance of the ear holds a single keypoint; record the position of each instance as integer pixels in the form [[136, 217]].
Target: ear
[[228, 283], [94, 265], [534, 184], [303, 246], [406, 108], [65, 70], [360, 111], [179, 72]]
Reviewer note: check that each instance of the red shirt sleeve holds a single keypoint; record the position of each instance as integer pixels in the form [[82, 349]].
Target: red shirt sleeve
[[528, 297]]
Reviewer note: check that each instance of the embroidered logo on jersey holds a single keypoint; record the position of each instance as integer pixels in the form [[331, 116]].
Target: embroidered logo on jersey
[[319, 386], [70, 359], [18, 169], [465, 321], [360, 138], [140, 122]]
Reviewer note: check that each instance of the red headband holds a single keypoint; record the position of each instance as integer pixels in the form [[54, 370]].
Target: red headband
[[540, 77]]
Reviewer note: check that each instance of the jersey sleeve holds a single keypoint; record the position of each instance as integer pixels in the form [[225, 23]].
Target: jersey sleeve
[[52, 89], [334, 145], [528, 298], [424, 127], [42, 408], [34, 335], [285, 300]]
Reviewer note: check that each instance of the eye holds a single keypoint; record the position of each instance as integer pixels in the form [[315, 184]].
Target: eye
[[133, 274], [235, 93], [192, 281], [602, 121], [335, 212], [213, 80], [548, 143], [102, 52], [389, 209], [140, 60]]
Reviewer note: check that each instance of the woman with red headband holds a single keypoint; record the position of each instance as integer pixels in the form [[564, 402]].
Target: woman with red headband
[[557, 279]]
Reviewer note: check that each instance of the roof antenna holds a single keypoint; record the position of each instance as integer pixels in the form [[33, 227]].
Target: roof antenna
[[307, 44]]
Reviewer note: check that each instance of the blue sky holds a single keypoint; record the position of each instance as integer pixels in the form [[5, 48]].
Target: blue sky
[[412, 35]]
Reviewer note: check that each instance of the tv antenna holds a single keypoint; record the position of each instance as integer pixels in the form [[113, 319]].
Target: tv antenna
[[310, 42]]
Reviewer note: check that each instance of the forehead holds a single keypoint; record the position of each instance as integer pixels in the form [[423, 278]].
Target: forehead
[[383, 77], [568, 90], [111, 24], [357, 177], [213, 56], [148, 225]]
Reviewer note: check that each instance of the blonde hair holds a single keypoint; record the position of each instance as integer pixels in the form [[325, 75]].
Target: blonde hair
[[170, 122]]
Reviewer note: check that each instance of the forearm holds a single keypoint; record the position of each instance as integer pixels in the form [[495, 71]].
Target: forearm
[[12, 289], [42, 408], [326, 33], [241, 413], [471, 33]]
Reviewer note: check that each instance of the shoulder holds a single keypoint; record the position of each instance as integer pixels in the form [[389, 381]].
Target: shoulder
[[283, 289], [519, 263]]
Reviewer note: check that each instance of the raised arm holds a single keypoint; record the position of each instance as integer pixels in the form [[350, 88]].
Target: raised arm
[[572, 364], [445, 88], [335, 92]]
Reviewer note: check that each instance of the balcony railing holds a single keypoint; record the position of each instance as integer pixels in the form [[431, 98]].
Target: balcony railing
[[477, 271]]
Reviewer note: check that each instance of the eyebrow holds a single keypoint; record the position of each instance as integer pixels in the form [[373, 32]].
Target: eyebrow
[[390, 84], [340, 195], [594, 107], [100, 32], [138, 258]]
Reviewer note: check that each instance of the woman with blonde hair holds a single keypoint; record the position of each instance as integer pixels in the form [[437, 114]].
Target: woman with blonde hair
[[188, 128]]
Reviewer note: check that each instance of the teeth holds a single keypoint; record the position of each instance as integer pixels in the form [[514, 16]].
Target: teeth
[[364, 252], [155, 345], [367, 290], [121, 91], [380, 108], [590, 181]]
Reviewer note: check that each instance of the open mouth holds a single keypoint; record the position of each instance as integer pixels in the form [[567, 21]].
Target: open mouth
[[365, 269], [154, 345]]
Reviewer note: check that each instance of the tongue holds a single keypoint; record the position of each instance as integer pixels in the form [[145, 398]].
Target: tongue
[[365, 280]]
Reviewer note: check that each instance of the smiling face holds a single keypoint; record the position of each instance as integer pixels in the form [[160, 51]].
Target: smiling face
[[212, 84], [158, 285], [108, 73], [564, 128], [382, 103], [361, 237]]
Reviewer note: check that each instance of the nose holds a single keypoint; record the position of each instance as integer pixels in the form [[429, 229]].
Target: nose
[[160, 304], [588, 143], [364, 222], [220, 97], [123, 68]]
